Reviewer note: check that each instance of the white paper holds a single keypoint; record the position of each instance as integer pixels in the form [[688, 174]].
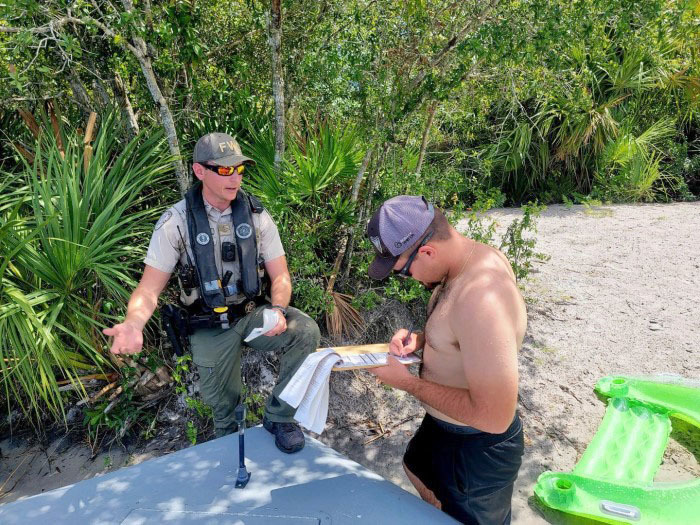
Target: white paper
[[298, 385], [308, 390], [313, 409], [270, 320], [374, 359]]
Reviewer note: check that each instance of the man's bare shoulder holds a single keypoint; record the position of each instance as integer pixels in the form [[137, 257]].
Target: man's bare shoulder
[[489, 289]]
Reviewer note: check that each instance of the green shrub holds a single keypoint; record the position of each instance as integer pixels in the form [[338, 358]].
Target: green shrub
[[520, 248], [406, 290], [366, 301], [311, 297], [81, 242]]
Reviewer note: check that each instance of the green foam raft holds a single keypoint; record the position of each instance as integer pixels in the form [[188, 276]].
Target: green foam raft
[[613, 482]]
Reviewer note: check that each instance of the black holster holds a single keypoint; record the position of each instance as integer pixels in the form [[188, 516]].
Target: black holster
[[177, 326]]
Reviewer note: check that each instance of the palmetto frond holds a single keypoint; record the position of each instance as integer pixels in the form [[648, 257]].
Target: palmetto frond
[[79, 230]]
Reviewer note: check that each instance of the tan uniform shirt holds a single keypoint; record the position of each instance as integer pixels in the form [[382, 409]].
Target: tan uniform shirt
[[166, 248]]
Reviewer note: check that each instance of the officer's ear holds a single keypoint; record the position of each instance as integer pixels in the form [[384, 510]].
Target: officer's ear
[[198, 170]]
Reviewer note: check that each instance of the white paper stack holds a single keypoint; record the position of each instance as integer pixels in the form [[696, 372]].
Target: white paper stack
[[308, 389]]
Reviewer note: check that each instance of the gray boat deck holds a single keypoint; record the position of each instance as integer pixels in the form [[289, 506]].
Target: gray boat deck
[[196, 485]]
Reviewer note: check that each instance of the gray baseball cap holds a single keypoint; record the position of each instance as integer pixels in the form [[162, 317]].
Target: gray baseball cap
[[396, 226], [219, 149]]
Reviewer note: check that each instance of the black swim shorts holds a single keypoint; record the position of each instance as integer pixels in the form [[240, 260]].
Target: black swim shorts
[[471, 473]]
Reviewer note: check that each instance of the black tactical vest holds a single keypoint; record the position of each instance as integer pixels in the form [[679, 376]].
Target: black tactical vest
[[210, 287]]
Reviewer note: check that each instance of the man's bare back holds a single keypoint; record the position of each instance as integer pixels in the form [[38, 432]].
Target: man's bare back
[[442, 354]]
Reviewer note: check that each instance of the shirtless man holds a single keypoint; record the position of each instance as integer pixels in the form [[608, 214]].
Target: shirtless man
[[465, 456]]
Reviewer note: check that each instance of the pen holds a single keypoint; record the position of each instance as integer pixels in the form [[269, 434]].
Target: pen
[[407, 339]]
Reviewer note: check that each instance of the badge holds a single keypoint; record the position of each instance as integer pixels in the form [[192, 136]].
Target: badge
[[163, 219], [203, 239], [249, 306], [243, 231], [224, 229]]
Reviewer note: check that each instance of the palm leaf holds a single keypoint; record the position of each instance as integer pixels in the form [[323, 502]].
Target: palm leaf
[[82, 238]]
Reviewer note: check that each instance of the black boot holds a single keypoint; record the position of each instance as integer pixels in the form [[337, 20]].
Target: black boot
[[288, 436]]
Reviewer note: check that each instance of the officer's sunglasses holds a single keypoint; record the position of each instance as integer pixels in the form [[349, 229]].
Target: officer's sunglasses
[[226, 171], [404, 272]]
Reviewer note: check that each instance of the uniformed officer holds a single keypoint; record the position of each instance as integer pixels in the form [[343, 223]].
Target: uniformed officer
[[222, 273]]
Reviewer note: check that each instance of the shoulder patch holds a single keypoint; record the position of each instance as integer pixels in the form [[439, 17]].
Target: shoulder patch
[[163, 219], [243, 231]]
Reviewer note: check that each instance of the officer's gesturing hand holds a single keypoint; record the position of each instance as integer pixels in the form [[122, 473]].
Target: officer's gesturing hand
[[128, 336], [128, 339], [280, 327]]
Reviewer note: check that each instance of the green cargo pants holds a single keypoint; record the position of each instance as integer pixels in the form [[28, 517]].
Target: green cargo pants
[[217, 354]]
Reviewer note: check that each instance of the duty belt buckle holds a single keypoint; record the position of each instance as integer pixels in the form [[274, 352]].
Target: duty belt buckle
[[249, 307]]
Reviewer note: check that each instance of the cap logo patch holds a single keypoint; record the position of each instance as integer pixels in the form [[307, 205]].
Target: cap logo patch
[[203, 239], [377, 243], [243, 231], [405, 240], [223, 145]]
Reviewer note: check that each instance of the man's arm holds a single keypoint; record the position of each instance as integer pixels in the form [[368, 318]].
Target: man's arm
[[488, 327], [128, 335], [280, 290]]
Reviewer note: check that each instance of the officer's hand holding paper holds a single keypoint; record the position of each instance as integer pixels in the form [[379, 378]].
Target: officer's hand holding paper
[[270, 320]]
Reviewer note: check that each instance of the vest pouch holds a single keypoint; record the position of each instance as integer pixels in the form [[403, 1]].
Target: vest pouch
[[231, 290]]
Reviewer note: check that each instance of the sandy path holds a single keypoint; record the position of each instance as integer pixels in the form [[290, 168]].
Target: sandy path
[[618, 295]]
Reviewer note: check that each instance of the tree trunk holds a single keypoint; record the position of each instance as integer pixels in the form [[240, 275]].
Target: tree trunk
[[79, 91], [363, 211], [350, 236], [127, 110], [275, 35], [140, 50], [166, 117], [426, 132], [101, 90], [360, 174]]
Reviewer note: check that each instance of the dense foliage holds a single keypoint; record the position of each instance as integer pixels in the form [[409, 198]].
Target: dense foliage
[[72, 235], [542, 99]]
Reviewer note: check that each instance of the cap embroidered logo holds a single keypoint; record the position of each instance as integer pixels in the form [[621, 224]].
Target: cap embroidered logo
[[223, 145]]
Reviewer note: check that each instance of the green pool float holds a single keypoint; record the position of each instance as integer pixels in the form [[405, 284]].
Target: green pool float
[[613, 480]]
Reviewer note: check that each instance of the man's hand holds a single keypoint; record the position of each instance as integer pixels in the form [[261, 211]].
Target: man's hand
[[396, 345], [128, 339], [280, 327], [393, 374]]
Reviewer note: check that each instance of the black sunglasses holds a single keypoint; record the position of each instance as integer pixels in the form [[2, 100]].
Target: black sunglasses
[[403, 272]]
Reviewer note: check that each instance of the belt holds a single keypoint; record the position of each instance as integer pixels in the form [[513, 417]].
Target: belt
[[202, 317]]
